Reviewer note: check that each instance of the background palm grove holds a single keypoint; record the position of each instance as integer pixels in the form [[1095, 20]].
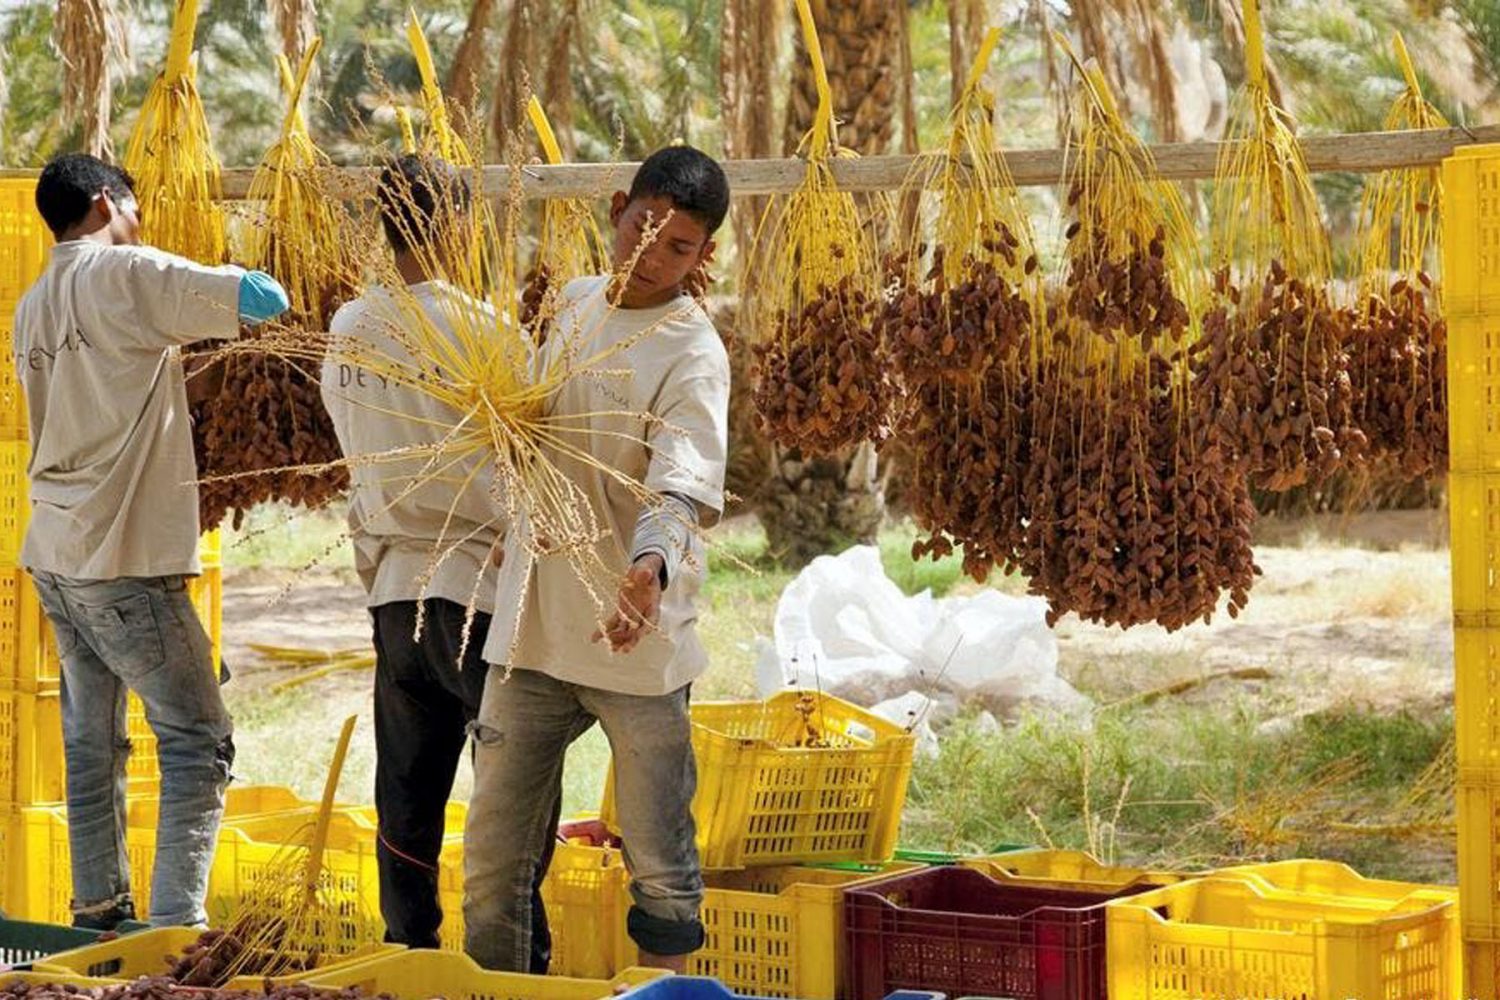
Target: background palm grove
[[1332, 737]]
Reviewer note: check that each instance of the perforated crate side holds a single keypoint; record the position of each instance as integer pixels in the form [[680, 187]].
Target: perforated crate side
[[1471, 231], [766, 798], [1222, 937], [31, 766], [1479, 853], [23, 241], [20, 632], [957, 931]]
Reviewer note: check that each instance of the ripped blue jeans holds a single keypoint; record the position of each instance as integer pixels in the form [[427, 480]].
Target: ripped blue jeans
[[140, 634], [525, 725]]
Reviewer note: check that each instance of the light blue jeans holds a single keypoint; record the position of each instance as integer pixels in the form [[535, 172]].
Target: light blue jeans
[[140, 634], [525, 725]]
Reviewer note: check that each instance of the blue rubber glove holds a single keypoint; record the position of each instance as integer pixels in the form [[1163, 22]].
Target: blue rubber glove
[[261, 297]]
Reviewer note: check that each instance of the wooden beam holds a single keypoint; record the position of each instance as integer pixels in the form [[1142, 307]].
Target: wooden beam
[[1364, 152]]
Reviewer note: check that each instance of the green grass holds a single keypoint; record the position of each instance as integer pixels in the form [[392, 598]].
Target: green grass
[[1180, 785]]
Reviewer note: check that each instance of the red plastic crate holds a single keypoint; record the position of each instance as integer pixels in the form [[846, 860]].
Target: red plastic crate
[[958, 931]]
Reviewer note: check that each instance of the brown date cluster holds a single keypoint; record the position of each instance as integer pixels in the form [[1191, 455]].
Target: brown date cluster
[[1137, 516], [1271, 376], [820, 380], [1398, 359], [269, 415]]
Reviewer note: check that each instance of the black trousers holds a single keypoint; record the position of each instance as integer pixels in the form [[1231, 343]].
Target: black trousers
[[424, 701]]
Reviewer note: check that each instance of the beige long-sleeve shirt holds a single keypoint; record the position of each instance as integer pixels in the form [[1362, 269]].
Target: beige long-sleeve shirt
[[112, 472], [443, 530], [659, 413]]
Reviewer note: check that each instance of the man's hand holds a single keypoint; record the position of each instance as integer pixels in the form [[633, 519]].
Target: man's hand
[[638, 606]]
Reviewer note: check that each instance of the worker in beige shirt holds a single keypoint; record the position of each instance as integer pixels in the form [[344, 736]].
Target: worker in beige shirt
[[425, 535], [664, 424], [114, 527]]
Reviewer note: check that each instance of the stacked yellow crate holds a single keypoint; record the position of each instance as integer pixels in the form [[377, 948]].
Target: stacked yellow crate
[[31, 760], [29, 772], [1471, 298]]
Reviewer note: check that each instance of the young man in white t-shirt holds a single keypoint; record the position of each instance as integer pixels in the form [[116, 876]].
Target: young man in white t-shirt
[[664, 424], [419, 539], [114, 527]]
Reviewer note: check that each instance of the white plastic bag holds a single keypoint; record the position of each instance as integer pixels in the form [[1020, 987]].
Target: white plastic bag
[[844, 627]]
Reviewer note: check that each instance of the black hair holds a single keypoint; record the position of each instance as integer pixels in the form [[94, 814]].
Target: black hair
[[68, 185], [690, 179], [416, 194]]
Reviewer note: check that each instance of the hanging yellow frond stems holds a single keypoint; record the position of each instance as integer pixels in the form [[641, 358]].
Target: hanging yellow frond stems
[[1133, 515], [571, 245], [475, 272], [958, 325], [301, 237], [172, 159], [1275, 375], [270, 419], [1398, 358], [820, 380]]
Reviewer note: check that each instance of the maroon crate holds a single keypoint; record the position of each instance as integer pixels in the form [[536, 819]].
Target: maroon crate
[[958, 931]]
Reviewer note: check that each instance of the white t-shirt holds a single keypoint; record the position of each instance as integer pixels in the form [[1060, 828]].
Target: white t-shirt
[[677, 373], [113, 479], [399, 531]]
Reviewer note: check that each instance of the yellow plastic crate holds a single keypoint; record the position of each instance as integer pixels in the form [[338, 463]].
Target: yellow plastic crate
[[12, 401], [31, 768], [419, 975], [1476, 657], [251, 851], [1474, 513], [23, 241], [774, 931], [1471, 232], [40, 883], [1075, 870], [765, 799], [23, 253], [1336, 881], [20, 632], [15, 499], [1479, 853], [1221, 938], [147, 953]]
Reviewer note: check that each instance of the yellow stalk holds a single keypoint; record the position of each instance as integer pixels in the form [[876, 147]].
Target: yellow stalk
[[408, 135], [171, 156], [544, 131], [314, 868], [180, 46], [824, 131]]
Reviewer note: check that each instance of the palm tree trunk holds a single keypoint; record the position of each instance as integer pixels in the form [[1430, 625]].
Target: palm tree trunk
[[297, 23], [811, 506], [91, 38], [468, 61], [536, 58], [965, 32]]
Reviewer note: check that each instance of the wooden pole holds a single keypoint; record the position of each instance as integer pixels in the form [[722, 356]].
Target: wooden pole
[[1364, 152]]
